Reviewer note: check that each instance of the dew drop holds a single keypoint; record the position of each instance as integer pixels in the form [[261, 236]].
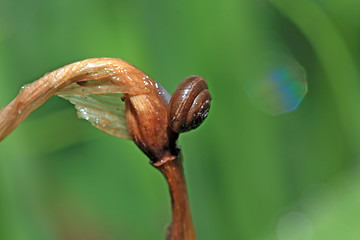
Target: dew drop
[[25, 87]]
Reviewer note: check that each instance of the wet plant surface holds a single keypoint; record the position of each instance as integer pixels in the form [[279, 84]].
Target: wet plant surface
[[250, 175]]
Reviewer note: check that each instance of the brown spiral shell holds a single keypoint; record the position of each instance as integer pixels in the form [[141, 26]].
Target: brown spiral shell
[[189, 105]]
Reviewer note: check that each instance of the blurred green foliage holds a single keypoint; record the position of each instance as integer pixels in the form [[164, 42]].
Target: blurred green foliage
[[250, 175]]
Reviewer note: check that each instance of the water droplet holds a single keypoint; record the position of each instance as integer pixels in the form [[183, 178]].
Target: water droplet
[[25, 87], [280, 87], [116, 78]]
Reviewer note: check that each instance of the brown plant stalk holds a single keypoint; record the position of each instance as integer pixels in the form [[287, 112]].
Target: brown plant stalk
[[146, 121], [181, 226]]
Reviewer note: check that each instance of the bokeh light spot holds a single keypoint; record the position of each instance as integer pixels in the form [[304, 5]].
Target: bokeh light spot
[[278, 87], [294, 226]]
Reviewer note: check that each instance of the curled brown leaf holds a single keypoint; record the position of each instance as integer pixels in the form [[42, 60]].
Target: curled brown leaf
[[144, 118]]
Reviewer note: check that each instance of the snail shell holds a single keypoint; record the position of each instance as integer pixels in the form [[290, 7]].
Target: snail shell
[[189, 105]]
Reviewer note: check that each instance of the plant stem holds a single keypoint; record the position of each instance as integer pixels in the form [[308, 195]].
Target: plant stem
[[181, 226]]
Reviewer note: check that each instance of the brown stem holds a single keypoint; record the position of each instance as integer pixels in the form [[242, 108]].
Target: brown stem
[[181, 226]]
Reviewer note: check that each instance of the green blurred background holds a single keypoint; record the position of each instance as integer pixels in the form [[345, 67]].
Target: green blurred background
[[250, 175]]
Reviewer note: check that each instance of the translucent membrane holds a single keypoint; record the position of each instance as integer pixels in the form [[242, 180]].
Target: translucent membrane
[[105, 111], [279, 86], [100, 103]]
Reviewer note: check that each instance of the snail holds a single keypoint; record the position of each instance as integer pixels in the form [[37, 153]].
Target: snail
[[189, 104], [123, 101]]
